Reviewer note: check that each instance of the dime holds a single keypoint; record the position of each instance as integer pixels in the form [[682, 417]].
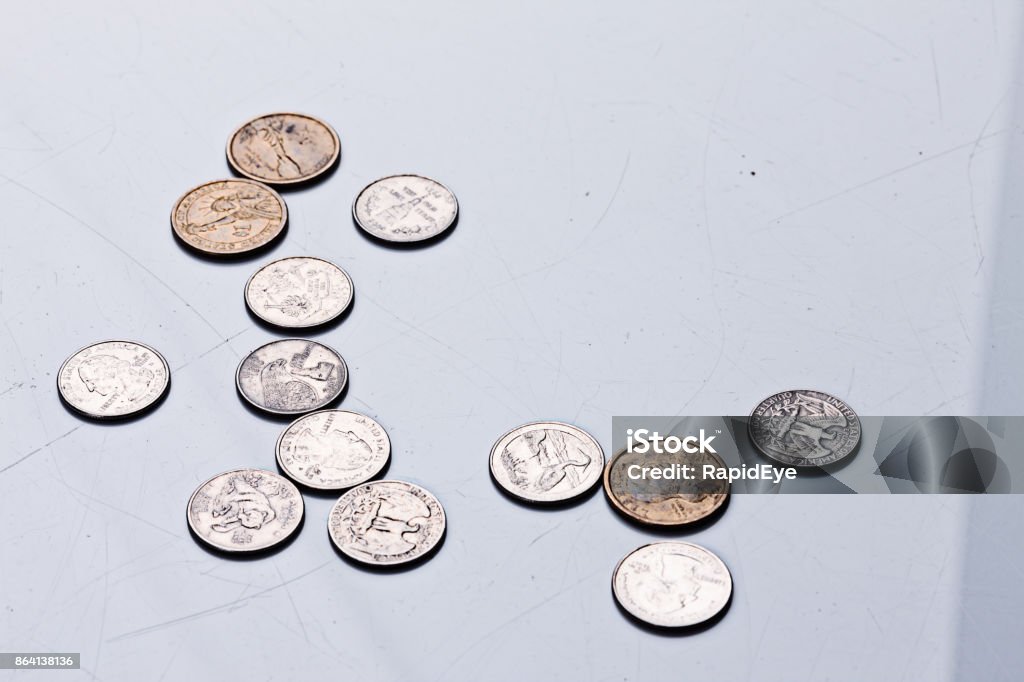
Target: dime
[[672, 584], [385, 523], [226, 217], [546, 462], [405, 208], [245, 510], [282, 149], [291, 376], [333, 449], [298, 292], [665, 501], [804, 428], [113, 379]]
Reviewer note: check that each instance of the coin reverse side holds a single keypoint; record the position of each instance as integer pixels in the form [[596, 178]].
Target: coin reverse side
[[405, 208], [672, 584], [333, 449], [227, 217], [804, 428], [546, 462], [298, 292], [291, 376], [113, 379], [284, 148], [245, 510], [386, 523]]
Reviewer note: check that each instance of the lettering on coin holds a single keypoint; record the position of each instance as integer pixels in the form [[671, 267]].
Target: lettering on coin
[[229, 216], [405, 208], [113, 379], [804, 428]]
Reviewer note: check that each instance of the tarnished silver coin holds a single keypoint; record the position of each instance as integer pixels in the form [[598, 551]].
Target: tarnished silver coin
[[547, 462], [405, 208], [229, 217], [291, 376], [298, 292], [333, 449], [245, 510], [385, 523], [672, 584], [113, 379], [804, 428], [284, 148]]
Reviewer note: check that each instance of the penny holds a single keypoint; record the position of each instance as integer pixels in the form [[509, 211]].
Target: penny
[[385, 523], [283, 148], [298, 292], [546, 462], [333, 449], [665, 501], [405, 208], [804, 428], [113, 379], [226, 217], [672, 584], [291, 376], [245, 510]]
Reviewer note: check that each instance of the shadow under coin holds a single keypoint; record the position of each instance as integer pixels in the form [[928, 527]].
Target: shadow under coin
[[244, 256], [408, 246], [312, 330], [675, 530], [574, 501], [685, 631], [118, 419], [276, 418], [389, 569], [253, 555]]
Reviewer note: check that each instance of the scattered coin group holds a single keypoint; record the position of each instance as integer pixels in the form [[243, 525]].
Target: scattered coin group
[[389, 522]]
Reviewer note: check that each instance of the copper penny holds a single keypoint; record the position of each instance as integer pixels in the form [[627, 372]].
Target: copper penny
[[227, 217], [284, 148]]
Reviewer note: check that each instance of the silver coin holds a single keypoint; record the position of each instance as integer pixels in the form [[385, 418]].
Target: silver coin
[[385, 523], [672, 584], [804, 428], [113, 379], [405, 208], [333, 449], [547, 462], [291, 376], [245, 510], [298, 292]]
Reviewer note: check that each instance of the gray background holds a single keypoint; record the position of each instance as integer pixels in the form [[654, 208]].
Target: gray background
[[667, 208]]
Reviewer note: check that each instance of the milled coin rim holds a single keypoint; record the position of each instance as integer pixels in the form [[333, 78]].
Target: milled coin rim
[[238, 381], [330, 164], [287, 473], [574, 494], [105, 417], [617, 505], [804, 464], [389, 481], [228, 254], [248, 303], [359, 224], [624, 604], [199, 536]]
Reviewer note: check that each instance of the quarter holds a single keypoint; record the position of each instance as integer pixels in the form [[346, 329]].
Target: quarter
[[546, 462], [298, 292], [804, 428], [333, 449], [405, 208], [113, 379], [291, 376]]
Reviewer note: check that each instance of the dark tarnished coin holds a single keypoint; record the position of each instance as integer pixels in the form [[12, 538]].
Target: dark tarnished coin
[[804, 428], [113, 379], [672, 584], [245, 510], [291, 376], [664, 501], [385, 523], [405, 208], [226, 217], [282, 149], [333, 449], [298, 292], [546, 462]]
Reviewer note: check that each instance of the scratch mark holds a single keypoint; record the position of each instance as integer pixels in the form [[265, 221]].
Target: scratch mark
[[938, 87], [39, 449]]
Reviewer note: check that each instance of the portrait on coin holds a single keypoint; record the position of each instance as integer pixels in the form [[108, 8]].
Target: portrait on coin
[[107, 375]]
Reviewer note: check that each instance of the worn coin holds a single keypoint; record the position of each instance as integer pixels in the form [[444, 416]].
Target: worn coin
[[672, 584], [546, 462], [333, 449], [804, 428], [227, 217], [405, 208], [113, 379], [298, 292], [245, 510], [385, 523], [284, 148], [291, 376], [665, 501]]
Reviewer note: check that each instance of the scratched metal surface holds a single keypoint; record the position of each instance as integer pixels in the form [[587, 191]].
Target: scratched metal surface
[[666, 208]]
